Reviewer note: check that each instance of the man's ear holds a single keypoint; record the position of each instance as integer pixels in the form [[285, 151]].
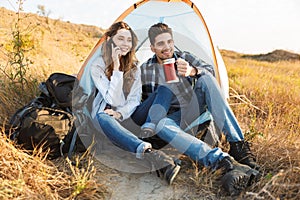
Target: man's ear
[[152, 48]]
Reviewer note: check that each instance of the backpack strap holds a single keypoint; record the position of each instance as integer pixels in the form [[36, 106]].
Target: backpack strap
[[72, 145], [18, 118]]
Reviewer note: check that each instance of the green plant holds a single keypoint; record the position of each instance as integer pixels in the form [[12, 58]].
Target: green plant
[[16, 69]]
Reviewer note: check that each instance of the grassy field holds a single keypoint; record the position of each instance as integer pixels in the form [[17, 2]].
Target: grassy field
[[265, 97]]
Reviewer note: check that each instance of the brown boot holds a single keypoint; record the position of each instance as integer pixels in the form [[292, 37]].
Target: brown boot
[[241, 152], [236, 176], [163, 164]]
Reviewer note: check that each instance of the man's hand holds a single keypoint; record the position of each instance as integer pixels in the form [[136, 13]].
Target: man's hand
[[184, 69]]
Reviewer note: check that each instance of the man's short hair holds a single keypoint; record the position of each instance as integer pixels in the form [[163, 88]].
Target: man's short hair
[[158, 29]]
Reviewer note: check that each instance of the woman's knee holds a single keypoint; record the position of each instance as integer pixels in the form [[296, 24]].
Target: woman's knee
[[103, 118]]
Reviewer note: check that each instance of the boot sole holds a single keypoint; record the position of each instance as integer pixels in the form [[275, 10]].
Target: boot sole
[[234, 186], [170, 176], [254, 175]]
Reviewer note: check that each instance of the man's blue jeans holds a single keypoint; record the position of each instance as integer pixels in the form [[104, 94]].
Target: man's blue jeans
[[159, 108], [146, 113], [209, 97], [169, 131]]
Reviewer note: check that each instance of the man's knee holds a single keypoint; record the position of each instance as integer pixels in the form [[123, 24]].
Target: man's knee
[[162, 89], [205, 79], [163, 124]]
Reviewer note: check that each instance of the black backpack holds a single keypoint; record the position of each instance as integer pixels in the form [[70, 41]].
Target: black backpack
[[60, 87], [47, 121]]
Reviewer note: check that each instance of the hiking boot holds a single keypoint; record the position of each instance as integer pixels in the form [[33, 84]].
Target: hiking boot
[[146, 133], [164, 165], [236, 176], [241, 152]]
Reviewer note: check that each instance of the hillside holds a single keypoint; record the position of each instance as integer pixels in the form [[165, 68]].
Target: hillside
[[53, 44], [275, 56]]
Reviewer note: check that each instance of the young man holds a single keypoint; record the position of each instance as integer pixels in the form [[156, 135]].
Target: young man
[[206, 92]]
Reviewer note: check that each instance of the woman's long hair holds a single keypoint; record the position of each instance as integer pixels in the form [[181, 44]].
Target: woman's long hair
[[129, 61]]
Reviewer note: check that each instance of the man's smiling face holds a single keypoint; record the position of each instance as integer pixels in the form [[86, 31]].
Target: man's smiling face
[[163, 46]]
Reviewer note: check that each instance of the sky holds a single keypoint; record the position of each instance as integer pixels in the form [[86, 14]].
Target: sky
[[245, 26]]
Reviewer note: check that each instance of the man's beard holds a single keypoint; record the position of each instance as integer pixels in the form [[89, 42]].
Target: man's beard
[[160, 58]]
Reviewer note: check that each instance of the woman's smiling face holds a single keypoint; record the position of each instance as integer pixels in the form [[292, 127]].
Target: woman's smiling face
[[123, 40]]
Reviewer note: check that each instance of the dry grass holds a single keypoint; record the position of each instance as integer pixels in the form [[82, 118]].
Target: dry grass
[[54, 45], [24, 176], [264, 96]]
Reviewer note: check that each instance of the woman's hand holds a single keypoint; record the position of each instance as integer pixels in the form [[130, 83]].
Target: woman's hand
[[113, 113], [115, 55]]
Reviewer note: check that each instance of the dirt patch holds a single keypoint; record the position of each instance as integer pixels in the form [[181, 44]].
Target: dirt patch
[[126, 177]]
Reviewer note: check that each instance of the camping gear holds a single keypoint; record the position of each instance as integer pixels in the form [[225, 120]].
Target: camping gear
[[47, 121], [60, 87], [36, 127]]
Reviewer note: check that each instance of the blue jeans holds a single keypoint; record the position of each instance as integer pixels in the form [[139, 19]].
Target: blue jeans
[[170, 131], [141, 114], [118, 134], [208, 97], [159, 108]]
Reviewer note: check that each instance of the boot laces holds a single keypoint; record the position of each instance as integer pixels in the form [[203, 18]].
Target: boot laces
[[225, 165], [246, 152]]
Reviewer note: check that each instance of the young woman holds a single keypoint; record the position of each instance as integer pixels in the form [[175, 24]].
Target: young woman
[[118, 81]]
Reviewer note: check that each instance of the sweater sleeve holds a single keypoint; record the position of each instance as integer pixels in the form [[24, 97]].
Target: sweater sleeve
[[111, 91], [133, 98]]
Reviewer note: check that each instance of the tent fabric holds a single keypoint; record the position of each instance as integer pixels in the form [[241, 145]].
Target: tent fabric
[[190, 33]]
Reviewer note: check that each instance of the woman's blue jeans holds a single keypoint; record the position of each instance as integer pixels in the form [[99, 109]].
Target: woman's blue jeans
[[118, 134]]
